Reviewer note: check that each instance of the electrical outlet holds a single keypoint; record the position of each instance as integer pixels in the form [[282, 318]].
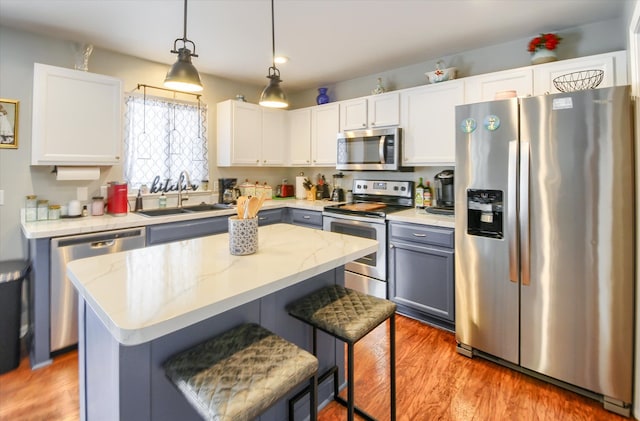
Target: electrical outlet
[[82, 194], [1, 197]]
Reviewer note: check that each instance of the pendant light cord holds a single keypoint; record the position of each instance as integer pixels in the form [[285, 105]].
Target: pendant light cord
[[185, 21], [273, 35]]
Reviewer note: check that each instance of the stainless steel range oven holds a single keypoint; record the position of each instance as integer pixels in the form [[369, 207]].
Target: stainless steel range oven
[[366, 217]]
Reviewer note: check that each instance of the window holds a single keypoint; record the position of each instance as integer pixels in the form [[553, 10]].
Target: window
[[162, 138]]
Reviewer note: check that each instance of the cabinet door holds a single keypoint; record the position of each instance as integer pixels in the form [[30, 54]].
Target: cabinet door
[[353, 114], [484, 87], [306, 218], [614, 66], [247, 134], [77, 117], [428, 123], [384, 110], [422, 278], [300, 137], [274, 137], [325, 121]]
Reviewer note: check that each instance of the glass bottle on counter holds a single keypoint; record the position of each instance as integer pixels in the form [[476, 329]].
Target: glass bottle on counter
[[428, 197], [31, 208], [419, 195], [43, 210], [162, 201]]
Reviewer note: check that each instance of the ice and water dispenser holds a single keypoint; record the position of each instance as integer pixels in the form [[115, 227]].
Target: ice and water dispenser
[[485, 213]]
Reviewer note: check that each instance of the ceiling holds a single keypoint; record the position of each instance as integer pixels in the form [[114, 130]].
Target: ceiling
[[326, 40]]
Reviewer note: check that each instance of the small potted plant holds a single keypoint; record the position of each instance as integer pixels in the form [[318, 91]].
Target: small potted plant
[[543, 48]]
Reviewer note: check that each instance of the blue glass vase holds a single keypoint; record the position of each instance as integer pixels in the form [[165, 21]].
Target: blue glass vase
[[322, 98]]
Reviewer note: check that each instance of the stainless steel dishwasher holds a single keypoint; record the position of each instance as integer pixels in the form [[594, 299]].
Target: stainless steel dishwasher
[[64, 299]]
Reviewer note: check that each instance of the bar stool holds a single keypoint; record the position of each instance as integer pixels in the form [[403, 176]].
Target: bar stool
[[241, 373], [347, 315]]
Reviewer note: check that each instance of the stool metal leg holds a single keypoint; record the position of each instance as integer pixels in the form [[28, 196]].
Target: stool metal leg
[[313, 399], [392, 364]]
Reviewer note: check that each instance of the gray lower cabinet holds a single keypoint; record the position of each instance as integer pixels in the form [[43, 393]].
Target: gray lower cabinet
[[421, 272], [305, 218], [183, 230]]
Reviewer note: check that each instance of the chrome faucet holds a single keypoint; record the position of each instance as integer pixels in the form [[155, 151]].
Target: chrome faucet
[[183, 174]]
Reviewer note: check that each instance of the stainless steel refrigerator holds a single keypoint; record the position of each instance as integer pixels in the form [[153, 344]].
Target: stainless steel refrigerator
[[545, 238]]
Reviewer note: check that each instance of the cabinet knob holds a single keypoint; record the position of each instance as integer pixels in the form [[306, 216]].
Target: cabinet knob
[[265, 161], [391, 246], [257, 161], [373, 123], [364, 124]]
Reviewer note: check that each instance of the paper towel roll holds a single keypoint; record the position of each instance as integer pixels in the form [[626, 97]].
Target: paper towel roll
[[77, 173], [301, 193]]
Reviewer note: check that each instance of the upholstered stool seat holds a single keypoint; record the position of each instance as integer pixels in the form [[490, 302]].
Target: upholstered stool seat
[[347, 315], [241, 373]]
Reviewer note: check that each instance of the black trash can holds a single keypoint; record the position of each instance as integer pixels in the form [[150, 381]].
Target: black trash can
[[12, 272]]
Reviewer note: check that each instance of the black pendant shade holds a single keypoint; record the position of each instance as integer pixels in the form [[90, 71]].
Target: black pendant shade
[[183, 75], [273, 96]]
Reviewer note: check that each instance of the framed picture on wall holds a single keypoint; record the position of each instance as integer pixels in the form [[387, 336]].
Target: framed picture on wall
[[9, 123]]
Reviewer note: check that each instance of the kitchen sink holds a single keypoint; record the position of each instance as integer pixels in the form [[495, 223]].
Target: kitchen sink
[[202, 207], [162, 211], [206, 207]]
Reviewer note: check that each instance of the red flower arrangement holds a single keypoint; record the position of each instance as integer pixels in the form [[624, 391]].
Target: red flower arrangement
[[548, 41]]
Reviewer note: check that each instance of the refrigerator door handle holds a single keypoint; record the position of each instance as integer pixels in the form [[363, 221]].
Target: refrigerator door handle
[[524, 213], [512, 228]]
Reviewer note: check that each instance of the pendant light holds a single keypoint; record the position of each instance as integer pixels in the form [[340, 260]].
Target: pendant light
[[273, 96], [183, 75]]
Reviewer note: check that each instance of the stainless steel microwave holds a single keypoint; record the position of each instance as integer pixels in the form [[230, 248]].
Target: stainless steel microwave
[[367, 150]]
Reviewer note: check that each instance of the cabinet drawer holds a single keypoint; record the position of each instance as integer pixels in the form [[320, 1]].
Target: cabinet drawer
[[307, 218], [270, 216], [176, 231], [425, 234]]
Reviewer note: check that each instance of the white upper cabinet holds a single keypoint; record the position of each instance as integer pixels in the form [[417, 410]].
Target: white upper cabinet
[[274, 137], [313, 133], [614, 66], [249, 135], [300, 137], [428, 123], [77, 117], [384, 110], [325, 125], [484, 87], [370, 112]]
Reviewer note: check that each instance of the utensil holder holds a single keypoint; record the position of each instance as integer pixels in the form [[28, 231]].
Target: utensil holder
[[243, 236]]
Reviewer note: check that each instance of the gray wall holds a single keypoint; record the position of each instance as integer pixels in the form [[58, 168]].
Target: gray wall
[[19, 50]]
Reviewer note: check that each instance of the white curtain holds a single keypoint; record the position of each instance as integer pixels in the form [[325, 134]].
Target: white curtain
[[162, 138]]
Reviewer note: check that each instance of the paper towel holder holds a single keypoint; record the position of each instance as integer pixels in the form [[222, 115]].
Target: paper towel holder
[[80, 173]]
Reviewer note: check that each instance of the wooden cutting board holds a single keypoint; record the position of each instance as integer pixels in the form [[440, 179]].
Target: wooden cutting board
[[363, 207]]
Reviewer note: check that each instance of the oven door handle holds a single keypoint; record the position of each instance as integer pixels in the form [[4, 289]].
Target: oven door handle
[[383, 140]]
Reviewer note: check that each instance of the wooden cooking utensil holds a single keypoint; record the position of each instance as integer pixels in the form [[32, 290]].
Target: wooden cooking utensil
[[241, 203]]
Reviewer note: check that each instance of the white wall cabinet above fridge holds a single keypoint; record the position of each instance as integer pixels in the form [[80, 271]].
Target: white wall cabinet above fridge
[[538, 79], [370, 112], [428, 123], [248, 135], [313, 135], [77, 117]]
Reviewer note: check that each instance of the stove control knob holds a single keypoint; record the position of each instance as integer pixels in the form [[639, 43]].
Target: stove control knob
[[395, 188], [403, 188]]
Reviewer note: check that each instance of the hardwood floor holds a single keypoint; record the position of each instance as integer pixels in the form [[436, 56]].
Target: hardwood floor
[[433, 383]]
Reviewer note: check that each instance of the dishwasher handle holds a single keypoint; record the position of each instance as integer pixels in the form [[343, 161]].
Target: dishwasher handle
[[103, 244]]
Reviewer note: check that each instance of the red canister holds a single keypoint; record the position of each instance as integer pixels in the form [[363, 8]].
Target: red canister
[[117, 203]]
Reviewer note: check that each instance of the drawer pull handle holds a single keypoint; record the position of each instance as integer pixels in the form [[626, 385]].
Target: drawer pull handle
[[306, 217], [416, 234], [262, 218]]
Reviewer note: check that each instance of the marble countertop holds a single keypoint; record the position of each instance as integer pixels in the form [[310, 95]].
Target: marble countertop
[[84, 225], [143, 294], [415, 216]]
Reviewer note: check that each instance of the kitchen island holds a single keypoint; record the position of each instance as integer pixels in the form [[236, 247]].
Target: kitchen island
[[137, 308]]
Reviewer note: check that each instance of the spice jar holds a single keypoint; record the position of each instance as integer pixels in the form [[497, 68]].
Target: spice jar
[[97, 206], [31, 208], [54, 212], [43, 210]]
